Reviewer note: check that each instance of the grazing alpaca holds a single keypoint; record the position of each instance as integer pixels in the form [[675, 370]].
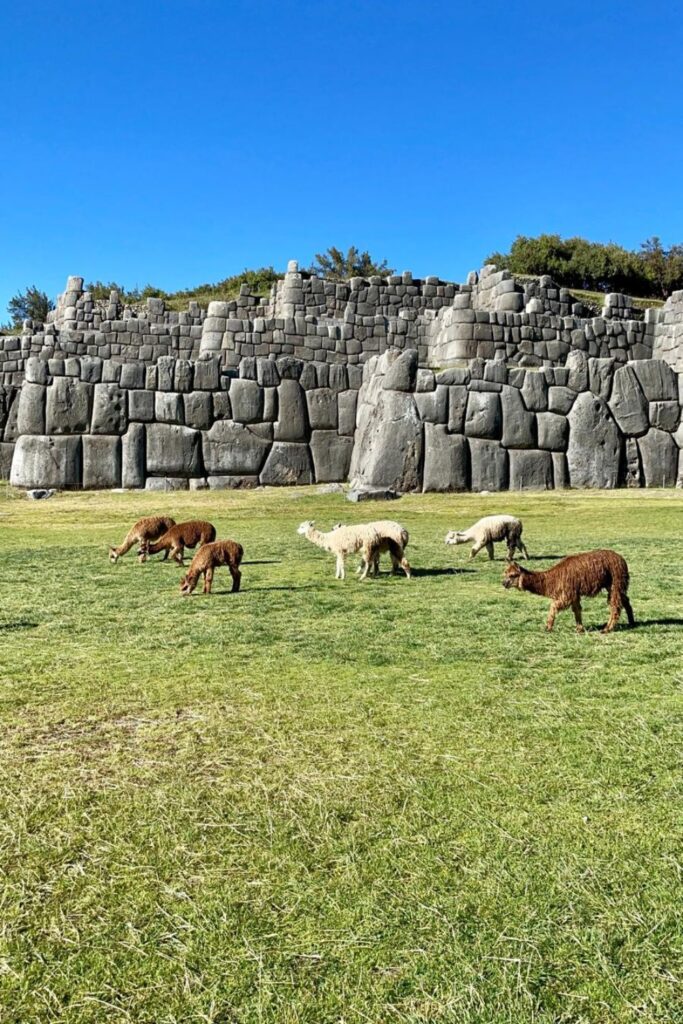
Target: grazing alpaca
[[147, 529], [487, 531], [347, 540], [386, 528], [175, 540], [575, 577], [207, 560]]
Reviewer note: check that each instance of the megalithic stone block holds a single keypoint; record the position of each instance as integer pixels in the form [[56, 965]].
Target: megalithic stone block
[[133, 472], [45, 461]]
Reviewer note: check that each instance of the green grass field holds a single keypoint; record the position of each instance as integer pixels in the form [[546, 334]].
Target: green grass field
[[316, 801]]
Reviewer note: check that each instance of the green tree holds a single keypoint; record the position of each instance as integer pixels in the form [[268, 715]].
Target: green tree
[[29, 305], [337, 266]]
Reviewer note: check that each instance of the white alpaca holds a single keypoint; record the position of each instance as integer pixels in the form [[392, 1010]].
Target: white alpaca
[[395, 532], [347, 540], [485, 532]]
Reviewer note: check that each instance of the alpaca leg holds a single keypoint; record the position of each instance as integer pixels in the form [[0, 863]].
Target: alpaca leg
[[177, 554], [236, 578], [551, 617], [405, 565], [522, 547], [476, 548], [628, 609], [339, 575], [576, 608], [489, 548], [512, 544], [208, 580], [614, 610]]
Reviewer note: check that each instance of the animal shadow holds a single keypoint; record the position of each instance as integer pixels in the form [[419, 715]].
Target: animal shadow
[[21, 624], [545, 558], [657, 622], [453, 571]]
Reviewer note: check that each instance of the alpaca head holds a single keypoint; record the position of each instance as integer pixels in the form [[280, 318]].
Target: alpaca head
[[142, 554], [455, 537], [306, 527], [186, 585], [513, 576], [113, 556]]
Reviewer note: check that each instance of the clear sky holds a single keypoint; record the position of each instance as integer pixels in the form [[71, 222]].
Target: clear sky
[[179, 142]]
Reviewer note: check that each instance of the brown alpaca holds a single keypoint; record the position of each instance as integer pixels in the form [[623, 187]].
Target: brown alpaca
[[575, 577], [207, 560], [145, 530], [175, 540], [383, 544]]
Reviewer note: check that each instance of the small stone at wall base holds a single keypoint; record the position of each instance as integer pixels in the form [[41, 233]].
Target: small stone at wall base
[[166, 483], [232, 483], [372, 494]]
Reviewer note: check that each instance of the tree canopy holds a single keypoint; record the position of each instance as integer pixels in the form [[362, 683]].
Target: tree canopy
[[335, 265], [29, 305], [595, 266]]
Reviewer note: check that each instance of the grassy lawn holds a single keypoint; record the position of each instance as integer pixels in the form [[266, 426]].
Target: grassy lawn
[[320, 801]]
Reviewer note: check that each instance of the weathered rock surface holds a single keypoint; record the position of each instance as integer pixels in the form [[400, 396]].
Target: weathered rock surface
[[594, 449]]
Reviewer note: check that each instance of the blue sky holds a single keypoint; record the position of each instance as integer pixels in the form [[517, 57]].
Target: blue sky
[[179, 142]]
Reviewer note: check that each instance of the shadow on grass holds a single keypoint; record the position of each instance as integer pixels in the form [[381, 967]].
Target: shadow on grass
[[262, 561], [455, 571], [22, 624], [656, 622], [545, 558]]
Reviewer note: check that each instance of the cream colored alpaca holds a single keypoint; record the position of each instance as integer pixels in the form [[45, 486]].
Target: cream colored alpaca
[[344, 541], [487, 531], [386, 528]]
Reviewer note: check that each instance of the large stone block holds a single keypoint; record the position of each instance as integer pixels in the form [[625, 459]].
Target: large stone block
[[68, 405], [659, 458], [133, 375], [657, 380], [402, 373], [594, 449], [6, 453], [133, 468], [432, 405], [47, 462], [101, 462], [577, 364], [553, 432], [488, 465], [233, 449], [519, 425], [287, 463], [628, 403], [535, 391], [600, 377], [109, 414], [331, 454], [292, 423], [665, 415], [141, 406], [346, 407], [198, 409], [457, 406], [173, 451], [31, 412], [388, 444], [168, 407], [207, 374], [531, 471], [445, 460], [483, 417], [35, 370], [246, 400], [322, 409], [561, 399]]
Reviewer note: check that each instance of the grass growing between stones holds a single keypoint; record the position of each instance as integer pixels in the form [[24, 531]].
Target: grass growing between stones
[[319, 801]]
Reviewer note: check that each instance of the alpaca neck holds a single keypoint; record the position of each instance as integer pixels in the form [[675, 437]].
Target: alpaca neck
[[533, 581], [318, 538]]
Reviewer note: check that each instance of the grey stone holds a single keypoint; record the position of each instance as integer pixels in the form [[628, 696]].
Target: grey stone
[[632, 463], [594, 450], [292, 423], [657, 380], [665, 415], [165, 368], [47, 462], [232, 483], [198, 409], [41, 494], [454, 376], [535, 391], [433, 405], [233, 449], [402, 373], [659, 458], [322, 409], [483, 417], [519, 425], [457, 405], [331, 453], [289, 368], [287, 463], [445, 460], [531, 471], [561, 399], [168, 407], [357, 494], [35, 370], [6, 454], [173, 451], [111, 372], [246, 400], [207, 374], [577, 364], [553, 431], [267, 373], [628, 404], [101, 462], [141, 406], [488, 465], [424, 381], [600, 375], [346, 408], [91, 369], [31, 412], [560, 471], [221, 405], [68, 405], [388, 444], [133, 375], [166, 483], [133, 468]]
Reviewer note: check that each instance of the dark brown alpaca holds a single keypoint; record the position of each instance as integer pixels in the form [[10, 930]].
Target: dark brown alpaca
[[175, 540], [575, 577], [207, 560], [145, 530]]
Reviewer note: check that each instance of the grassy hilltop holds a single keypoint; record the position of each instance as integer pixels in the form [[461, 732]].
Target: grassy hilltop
[[319, 801]]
